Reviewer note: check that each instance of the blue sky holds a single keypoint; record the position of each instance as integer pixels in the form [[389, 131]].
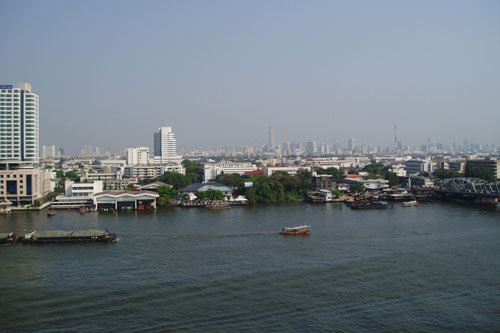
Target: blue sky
[[221, 72]]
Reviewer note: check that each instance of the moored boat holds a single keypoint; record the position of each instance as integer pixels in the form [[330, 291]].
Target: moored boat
[[369, 205], [300, 230], [413, 203], [59, 236], [8, 237], [218, 206], [51, 212]]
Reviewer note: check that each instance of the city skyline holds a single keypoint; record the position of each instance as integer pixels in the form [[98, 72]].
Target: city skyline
[[221, 72]]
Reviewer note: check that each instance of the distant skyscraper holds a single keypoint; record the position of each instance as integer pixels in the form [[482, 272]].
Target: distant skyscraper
[[271, 139], [165, 145], [311, 148], [48, 151], [351, 144], [19, 129]]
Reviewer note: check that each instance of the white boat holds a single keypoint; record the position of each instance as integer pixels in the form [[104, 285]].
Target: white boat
[[413, 203], [300, 230]]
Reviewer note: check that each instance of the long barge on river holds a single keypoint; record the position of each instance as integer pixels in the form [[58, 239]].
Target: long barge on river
[[60, 236]]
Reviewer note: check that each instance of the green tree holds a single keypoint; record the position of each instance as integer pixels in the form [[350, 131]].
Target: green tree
[[264, 193], [192, 168], [59, 174], [175, 179], [232, 180], [210, 195], [71, 175], [359, 188], [484, 174], [376, 168], [336, 173], [392, 178], [167, 194], [338, 193], [447, 173], [250, 195]]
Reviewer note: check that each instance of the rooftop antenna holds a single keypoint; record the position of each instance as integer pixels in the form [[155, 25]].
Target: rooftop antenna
[[396, 150]]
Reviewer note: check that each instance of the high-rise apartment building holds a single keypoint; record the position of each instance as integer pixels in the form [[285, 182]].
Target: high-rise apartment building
[[165, 145], [137, 156], [19, 129]]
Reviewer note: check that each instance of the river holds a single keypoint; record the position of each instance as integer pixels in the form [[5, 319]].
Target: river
[[434, 267]]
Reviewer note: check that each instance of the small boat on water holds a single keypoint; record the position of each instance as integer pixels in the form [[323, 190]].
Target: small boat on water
[[8, 237], [219, 206], [369, 205], [300, 230], [413, 203], [51, 212]]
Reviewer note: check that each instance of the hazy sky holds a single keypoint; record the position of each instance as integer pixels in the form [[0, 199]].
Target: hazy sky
[[109, 73]]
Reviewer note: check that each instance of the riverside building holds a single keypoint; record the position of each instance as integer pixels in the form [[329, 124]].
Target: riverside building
[[18, 125]]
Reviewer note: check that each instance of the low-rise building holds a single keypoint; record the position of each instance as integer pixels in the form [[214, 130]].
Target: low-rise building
[[291, 170], [201, 187], [24, 186], [211, 171], [77, 195], [151, 171], [125, 200], [417, 166], [488, 164], [322, 182]]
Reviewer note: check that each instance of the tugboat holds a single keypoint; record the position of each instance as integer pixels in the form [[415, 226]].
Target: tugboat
[[300, 230]]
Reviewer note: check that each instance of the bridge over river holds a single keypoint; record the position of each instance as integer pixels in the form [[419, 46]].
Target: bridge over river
[[468, 189]]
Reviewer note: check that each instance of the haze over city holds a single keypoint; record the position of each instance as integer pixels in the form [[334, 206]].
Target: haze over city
[[221, 72]]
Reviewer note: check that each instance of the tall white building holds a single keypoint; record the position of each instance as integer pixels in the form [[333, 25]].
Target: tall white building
[[137, 155], [19, 129], [165, 145]]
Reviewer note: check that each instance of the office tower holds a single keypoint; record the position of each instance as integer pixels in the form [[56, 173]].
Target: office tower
[[311, 148], [351, 144], [19, 129], [271, 139], [165, 145]]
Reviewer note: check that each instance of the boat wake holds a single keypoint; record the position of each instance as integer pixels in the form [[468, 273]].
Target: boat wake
[[202, 235]]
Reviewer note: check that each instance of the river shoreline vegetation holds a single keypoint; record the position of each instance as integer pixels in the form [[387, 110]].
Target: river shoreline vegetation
[[282, 187], [279, 187]]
